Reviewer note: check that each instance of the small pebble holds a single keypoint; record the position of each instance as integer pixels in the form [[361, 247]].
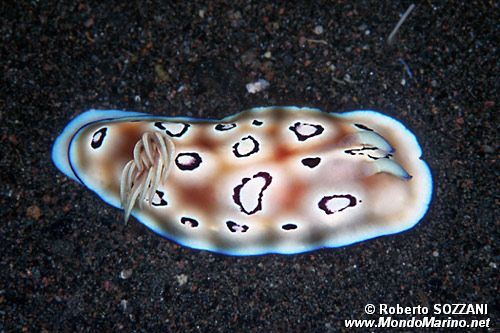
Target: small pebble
[[248, 57], [435, 253], [160, 72], [123, 304], [181, 279], [259, 85], [363, 27], [489, 104], [318, 30], [89, 23], [126, 273], [488, 149], [34, 212]]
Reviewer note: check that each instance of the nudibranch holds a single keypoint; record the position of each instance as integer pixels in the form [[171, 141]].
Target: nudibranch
[[267, 180]]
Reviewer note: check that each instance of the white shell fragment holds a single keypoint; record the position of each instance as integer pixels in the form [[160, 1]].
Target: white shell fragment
[[266, 180], [259, 85]]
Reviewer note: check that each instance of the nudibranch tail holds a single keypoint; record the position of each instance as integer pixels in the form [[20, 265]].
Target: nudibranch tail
[[150, 167]]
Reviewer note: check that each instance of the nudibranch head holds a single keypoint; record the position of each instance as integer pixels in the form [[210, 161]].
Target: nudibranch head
[[280, 180]]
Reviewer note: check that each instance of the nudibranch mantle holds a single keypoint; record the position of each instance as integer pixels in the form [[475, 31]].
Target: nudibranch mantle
[[266, 180]]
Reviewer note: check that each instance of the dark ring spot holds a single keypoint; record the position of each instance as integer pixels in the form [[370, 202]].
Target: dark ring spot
[[257, 122], [254, 150], [98, 138], [363, 127], [234, 227], [180, 133], [311, 162], [289, 226], [159, 124], [177, 134], [298, 127], [237, 192], [188, 161], [224, 127], [189, 222], [323, 203], [358, 151], [162, 202]]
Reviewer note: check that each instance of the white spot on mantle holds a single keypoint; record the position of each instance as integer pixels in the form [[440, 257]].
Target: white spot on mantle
[[174, 128], [336, 204], [246, 146], [306, 129], [249, 195], [186, 160]]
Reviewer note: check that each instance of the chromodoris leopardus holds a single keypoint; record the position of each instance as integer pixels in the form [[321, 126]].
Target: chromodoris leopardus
[[267, 180]]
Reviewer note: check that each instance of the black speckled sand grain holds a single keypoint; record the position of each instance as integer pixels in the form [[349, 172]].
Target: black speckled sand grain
[[67, 262]]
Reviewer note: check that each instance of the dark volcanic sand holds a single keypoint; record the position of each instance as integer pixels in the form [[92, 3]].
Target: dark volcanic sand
[[67, 262]]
